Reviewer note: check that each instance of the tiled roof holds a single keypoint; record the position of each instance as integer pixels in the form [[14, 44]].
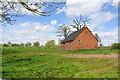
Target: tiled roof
[[73, 35]]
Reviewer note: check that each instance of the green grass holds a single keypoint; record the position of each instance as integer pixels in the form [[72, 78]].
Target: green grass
[[56, 50], [95, 51], [23, 63]]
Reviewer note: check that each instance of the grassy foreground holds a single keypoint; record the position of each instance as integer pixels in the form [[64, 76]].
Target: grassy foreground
[[24, 63]]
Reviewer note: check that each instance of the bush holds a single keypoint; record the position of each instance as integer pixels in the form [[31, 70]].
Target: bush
[[115, 46], [5, 45]]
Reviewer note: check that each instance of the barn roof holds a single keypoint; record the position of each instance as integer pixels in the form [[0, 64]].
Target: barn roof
[[73, 35]]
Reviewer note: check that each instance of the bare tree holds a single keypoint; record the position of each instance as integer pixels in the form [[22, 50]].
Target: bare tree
[[28, 44], [9, 44], [63, 30], [98, 38], [80, 22], [22, 44], [10, 10]]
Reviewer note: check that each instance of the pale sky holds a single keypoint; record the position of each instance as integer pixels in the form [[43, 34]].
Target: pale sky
[[32, 28]]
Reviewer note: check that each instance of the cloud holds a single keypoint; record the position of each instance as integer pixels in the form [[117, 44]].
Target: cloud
[[29, 36], [53, 22], [119, 34], [1, 30], [115, 3], [91, 25], [38, 32], [59, 24], [92, 8], [44, 28], [25, 24], [108, 37], [23, 32], [38, 26], [60, 10], [83, 7], [101, 17]]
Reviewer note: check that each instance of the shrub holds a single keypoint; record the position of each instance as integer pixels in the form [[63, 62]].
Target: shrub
[[5, 45], [115, 46]]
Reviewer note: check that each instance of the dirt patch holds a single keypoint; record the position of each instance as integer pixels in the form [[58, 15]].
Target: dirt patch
[[47, 53], [111, 55], [107, 56]]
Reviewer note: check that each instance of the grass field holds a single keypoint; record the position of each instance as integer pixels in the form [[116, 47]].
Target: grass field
[[56, 50], [25, 63]]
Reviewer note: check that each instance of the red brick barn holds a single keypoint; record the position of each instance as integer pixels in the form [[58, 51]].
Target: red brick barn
[[82, 39]]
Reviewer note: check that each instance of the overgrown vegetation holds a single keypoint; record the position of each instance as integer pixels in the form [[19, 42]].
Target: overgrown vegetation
[[28, 62], [57, 50], [28, 65], [115, 46]]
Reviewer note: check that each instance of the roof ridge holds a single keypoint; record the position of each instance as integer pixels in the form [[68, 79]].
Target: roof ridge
[[73, 35]]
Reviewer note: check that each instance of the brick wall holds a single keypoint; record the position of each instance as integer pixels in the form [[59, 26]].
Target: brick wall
[[88, 41]]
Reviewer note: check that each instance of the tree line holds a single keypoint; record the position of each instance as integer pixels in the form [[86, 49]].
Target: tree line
[[50, 43], [28, 44]]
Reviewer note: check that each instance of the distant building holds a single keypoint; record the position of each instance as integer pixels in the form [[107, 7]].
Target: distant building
[[82, 39]]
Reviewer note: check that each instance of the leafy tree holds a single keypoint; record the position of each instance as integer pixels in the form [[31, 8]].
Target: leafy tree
[[15, 45], [28, 44], [22, 45], [5, 45], [10, 10], [36, 44], [50, 43], [101, 45], [63, 30], [80, 22], [115, 46]]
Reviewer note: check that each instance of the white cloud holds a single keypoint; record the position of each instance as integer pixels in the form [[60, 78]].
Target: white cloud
[[25, 24], [53, 22], [59, 24], [23, 32], [83, 7], [115, 3], [37, 32], [38, 26], [119, 34], [36, 23], [72, 29], [60, 10], [1, 30], [44, 28], [92, 8], [29, 36], [108, 37], [101, 17], [91, 25], [108, 34]]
